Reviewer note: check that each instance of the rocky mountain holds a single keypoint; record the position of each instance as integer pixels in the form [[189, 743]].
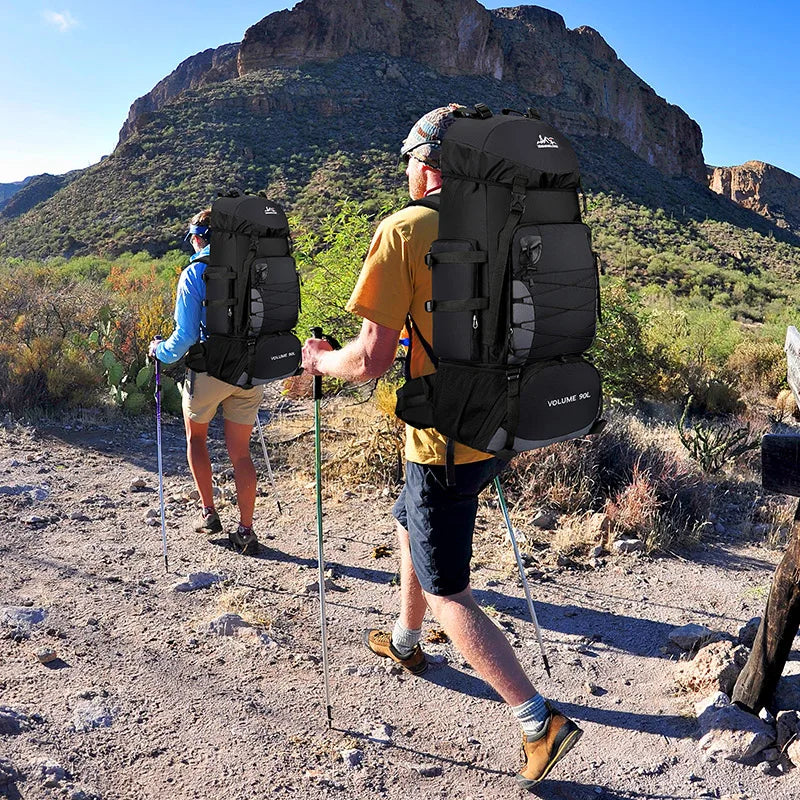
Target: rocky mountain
[[763, 188], [312, 104], [33, 191], [210, 66], [8, 190], [577, 76]]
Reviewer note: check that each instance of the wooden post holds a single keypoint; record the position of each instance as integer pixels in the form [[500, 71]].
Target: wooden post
[[779, 626], [780, 472]]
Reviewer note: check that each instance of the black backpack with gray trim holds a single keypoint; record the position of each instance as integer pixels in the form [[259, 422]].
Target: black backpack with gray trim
[[252, 295], [516, 294]]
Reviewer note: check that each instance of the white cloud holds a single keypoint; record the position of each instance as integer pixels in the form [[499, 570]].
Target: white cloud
[[62, 20]]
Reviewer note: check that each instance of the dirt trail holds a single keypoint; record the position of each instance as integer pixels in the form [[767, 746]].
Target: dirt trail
[[142, 702]]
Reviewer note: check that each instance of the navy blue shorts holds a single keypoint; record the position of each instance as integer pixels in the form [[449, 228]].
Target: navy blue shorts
[[440, 521]]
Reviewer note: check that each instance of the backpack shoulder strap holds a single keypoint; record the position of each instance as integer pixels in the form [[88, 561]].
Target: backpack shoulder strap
[[412, 330], [431, 202]]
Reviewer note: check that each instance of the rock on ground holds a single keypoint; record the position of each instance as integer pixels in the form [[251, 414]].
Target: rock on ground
[[197, 580], [690, 637], [748, 631], [91, 714], [733, 734], [223, 625], [715, 668], [13, 722]]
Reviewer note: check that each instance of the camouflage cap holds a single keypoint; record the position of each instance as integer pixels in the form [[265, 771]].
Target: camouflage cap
[[425, 139]]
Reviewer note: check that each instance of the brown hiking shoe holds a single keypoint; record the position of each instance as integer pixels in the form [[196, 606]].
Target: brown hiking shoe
[[243, 540], [208, 522], [380, 643], [543, 753]]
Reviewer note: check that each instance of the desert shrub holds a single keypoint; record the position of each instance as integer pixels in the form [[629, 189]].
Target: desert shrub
[[631, 470], [694, 342], [758, 365], [45, 357], [633, 509], [58, 319], [627, 365], [371, 448], [329, 258]]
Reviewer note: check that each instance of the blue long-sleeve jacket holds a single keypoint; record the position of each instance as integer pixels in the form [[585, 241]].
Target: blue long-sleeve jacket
[[190, 313]]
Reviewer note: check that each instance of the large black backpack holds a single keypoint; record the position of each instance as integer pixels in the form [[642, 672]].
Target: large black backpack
[[252, 295], [515, 292]]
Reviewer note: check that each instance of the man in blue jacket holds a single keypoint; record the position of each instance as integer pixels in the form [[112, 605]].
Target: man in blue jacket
[[202, 395]]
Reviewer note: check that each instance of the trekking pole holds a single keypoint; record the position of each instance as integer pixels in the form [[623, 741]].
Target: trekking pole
[[269, 466], [501, 497], [160, 467], [316, 333]]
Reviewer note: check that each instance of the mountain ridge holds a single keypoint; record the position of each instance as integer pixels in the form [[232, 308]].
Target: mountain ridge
[[316, 131]]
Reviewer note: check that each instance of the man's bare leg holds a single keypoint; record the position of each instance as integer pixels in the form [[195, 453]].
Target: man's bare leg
[[482, 644], [412, 600]]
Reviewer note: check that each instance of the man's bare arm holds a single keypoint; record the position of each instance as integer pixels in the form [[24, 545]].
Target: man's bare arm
[[367, 356]]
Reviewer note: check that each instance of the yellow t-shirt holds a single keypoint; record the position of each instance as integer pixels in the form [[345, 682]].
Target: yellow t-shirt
[[393, 281]]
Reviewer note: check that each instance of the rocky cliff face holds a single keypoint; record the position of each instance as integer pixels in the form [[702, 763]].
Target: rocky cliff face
[[760, 187], [585, 88], [210, 66], [577, 79]]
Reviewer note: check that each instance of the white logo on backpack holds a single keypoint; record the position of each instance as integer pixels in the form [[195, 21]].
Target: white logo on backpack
[[546, 141], [270, 210], [573, 398]]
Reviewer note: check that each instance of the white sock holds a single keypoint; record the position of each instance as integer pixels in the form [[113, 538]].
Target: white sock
[[405, 640], [532, 715]]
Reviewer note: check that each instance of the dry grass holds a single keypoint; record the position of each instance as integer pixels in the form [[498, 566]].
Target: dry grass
[[635, 476], [246, 603]]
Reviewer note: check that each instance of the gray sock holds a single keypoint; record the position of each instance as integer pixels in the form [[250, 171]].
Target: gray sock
[[405, 640], [532, 715]]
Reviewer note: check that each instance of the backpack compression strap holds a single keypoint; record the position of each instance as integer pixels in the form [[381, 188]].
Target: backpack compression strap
[[500, 267], [431, 202]]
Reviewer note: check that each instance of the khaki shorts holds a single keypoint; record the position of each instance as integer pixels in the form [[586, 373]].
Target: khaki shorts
[[202, 395]]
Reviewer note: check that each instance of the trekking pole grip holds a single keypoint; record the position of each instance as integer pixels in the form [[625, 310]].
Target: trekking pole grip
[[316, 333]]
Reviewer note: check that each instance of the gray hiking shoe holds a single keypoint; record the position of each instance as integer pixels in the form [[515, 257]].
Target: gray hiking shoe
[[243, 540], [208, 522]]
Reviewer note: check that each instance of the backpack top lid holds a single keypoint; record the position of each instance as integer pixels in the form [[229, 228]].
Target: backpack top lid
[[248, 215], [499, 148]]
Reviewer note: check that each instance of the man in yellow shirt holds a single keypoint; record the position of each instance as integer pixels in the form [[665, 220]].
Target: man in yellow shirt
[[435, 521]]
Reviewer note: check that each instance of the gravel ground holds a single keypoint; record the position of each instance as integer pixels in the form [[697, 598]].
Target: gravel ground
[[149, 692]]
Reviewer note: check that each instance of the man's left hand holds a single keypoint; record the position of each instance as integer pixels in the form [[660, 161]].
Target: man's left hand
[[312, 350]]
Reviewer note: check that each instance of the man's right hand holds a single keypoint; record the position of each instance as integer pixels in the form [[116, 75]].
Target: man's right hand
[[312, 350]]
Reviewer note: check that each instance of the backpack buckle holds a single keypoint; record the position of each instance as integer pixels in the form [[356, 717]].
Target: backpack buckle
[[518, 202], [428, 259], [482, 111], [518, 194]]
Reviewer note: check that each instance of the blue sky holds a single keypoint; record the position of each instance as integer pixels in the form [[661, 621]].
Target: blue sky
[[69, 69]]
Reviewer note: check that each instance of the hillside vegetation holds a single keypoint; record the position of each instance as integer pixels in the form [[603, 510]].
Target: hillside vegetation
[[311, 137]]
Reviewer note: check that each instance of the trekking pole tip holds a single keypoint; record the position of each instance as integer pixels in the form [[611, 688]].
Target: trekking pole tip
[[546, 666]]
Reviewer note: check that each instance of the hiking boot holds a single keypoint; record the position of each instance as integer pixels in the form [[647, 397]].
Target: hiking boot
[[380, 643], [544, 752], [243, 540], [208, 522]]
